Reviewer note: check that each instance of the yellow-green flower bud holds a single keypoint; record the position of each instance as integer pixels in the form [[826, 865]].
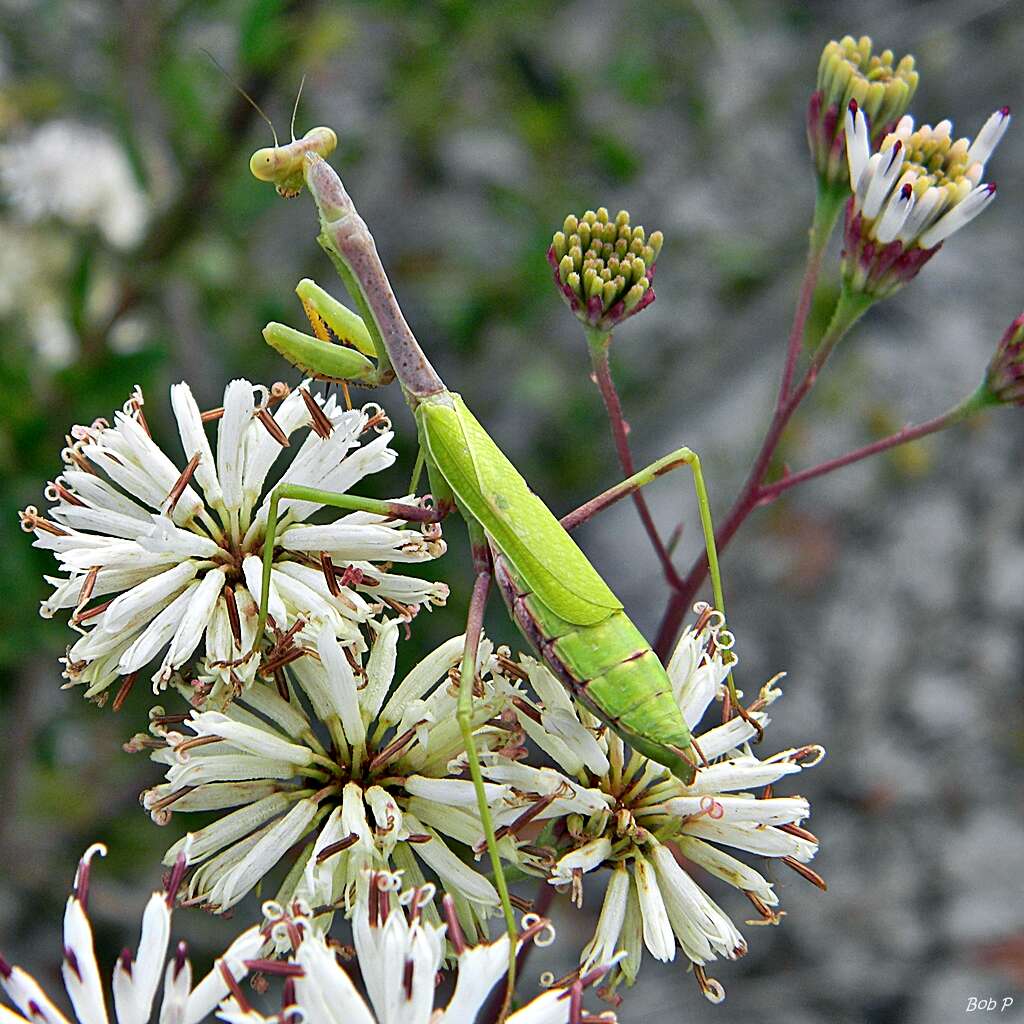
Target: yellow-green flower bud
[[604, 267], [882, 90]]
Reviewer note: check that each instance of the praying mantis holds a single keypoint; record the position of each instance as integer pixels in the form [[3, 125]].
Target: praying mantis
[[563, 607]]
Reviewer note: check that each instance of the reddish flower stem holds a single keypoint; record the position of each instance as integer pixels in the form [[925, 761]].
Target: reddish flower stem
[[599, 343]]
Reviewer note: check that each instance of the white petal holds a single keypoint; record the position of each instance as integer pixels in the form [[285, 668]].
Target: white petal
[[325, 990], [194, 441], [989, 137], [81, 975], [658, 935], [882, 181], [259, 742], [963, 213], [858, 145], [157, 634], [342, 684], [212, 989], [605, 942], [231, 887], [238, 412], [134, 991], [134, 607]]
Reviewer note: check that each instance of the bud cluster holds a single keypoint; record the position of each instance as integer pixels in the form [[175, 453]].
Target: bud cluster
[[1004, 378], [849, 71], [604, 267]]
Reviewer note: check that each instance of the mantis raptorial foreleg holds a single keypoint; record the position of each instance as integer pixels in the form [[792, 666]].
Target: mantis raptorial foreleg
[[658, 468], [350, 502]]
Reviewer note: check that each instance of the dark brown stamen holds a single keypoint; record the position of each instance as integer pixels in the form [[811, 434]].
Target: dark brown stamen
[[802, 869], [31, 520], [91, 613], [180, 958], [125, 688], [332, 848], [84, 595], [800, 833], [175, 879], [233, 617], [65, 495], [282, 684], [398, 744], [407, 979], [72, 961], [321, 422], [275, 967], [527, 709], [234, 988], [171, 798], [212, 414], [330, 574], [526, 817], [175, 493], [520, 903], [273, 428]]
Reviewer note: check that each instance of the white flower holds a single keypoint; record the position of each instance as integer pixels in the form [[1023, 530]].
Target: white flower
[[652, 824], [911, 195], [135, 979], [79, 174], [356, 779], [400, 948], [156, 558]]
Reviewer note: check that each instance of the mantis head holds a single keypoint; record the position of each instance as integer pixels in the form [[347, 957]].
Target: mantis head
[[283, 165]]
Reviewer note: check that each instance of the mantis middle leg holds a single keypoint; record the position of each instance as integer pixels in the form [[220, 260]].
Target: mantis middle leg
[[660, 467]]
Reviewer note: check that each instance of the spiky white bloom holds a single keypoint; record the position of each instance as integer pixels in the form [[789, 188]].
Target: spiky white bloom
[[359, 779], [79, 174], [175, 553], [400, 946], [653, 824], [135, 978], [919, 188]]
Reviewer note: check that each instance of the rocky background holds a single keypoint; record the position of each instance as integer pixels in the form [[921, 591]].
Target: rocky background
[[891, 593]]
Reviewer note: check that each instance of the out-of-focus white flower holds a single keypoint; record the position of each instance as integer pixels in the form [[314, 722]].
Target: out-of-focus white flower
[[79, 174], [652, 825], [353, 777], [175, 553], [400, 948], [135, 978], [910, 196]]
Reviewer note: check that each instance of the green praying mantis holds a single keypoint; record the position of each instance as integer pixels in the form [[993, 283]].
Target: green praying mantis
[[563, 607]]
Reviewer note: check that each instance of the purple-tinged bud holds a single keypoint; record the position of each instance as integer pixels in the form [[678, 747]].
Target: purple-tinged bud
[[1004, 378], [849, 73], [604, 268]]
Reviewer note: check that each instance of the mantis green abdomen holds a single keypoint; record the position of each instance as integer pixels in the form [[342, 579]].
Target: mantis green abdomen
[[608, 667]]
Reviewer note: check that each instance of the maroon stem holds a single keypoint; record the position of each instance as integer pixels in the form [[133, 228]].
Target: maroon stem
[[849, 308], [602, 375], [907, 434]]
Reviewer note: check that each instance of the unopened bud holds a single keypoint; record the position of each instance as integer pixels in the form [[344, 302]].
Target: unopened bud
[[882, 90], [604, 266], [1004, 378]]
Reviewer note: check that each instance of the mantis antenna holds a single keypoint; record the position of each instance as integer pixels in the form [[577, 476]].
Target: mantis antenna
[[295, 109], [255, 106]]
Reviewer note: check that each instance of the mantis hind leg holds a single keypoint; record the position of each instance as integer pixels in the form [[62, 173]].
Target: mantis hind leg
[[474, 627], [660, 467]]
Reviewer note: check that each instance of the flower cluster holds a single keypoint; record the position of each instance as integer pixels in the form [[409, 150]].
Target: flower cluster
[[652, 827], [604, 268], [136, 977], [174, 564], [848, 70], [917, 190], [358, 778], [400, 945]]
